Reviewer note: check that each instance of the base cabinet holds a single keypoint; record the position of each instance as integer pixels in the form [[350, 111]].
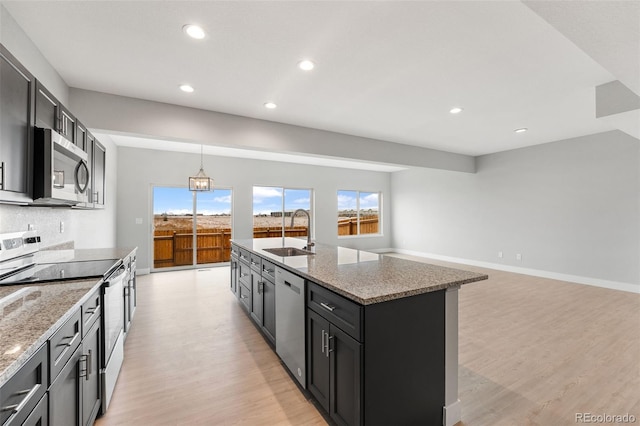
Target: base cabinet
[[65, 396], [335, 363], [40, 415], [91, 388]]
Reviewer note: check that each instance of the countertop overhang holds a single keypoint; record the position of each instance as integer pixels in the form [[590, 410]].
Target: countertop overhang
[[361, 276]]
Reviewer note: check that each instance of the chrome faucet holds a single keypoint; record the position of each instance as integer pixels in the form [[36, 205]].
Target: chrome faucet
[[293, 215]]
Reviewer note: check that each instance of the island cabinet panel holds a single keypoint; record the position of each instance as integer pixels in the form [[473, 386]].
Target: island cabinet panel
[[335, 369], [234, 270], [404, 375], [269, 302]]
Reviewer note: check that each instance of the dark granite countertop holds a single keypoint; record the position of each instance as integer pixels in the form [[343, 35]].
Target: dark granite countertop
[[361, 276]]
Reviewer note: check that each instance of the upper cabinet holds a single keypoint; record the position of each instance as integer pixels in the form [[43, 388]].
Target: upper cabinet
[[47, 109], [25, 103], [17, 87], [98, 172]]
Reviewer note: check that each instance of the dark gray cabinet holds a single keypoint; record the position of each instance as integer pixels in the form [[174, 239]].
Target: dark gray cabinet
[[21, 393], [47, 112], [67, 126], [17, 87], [91, 389], [40, 415], [98, 174], [65, 398], [335, 365], [253, 282], [257, 300]]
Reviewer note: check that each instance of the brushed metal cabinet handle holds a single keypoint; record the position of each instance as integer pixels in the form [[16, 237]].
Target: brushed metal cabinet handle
[[327, 307]]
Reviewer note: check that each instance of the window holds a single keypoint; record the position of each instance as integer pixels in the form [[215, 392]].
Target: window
[[358, 213], [183, 219], [272, 210]]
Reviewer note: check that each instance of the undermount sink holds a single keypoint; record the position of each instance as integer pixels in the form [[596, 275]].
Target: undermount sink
[[288, 251]]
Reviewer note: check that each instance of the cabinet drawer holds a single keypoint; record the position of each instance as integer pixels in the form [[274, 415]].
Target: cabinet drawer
[[345, 314], [63, 343], [244, 255], [91, 311], [244, 274], [256, 262], [22, 392], [245, 297], [40, 415], [268, 270]]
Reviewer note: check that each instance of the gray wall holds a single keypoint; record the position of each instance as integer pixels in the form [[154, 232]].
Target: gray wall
[[570, 207], [87, 229], [140, 169], [111, 113]]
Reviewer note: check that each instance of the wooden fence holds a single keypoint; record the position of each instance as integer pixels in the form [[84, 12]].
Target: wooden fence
[[349, 225], [174, 247]]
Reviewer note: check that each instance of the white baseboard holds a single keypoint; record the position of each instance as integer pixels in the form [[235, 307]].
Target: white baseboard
[[614, 285], [452, 414], [143, 271]]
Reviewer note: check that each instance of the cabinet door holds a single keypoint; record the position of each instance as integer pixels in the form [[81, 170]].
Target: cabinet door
[[16, 119], [47, 109], [345, 380], [99, 183], [65, 402], [234, 276], [90, 375], [67, 124], [256, 296], [317, 356], [269, 313], [40, 415], [81, 136]]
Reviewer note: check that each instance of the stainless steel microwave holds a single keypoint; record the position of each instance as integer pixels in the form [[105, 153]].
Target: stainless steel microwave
[[61, 173]]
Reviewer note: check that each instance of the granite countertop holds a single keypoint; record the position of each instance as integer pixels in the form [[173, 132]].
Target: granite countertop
[[32, 316], [32, 312], [362, 276], [82, 255]]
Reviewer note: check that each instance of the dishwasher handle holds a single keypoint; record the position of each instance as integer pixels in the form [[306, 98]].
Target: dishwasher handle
[[294, 288]]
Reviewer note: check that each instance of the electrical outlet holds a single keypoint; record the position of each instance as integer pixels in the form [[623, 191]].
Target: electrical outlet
[[30, 227], [138, 221], [500, 254], [61, 227], [518, 256]]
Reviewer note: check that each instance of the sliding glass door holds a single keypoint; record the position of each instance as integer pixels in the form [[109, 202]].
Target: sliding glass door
[[184, 220]]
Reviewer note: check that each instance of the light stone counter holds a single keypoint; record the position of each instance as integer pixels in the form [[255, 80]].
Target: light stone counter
[[26, 322], [362, 276], [33, 312]]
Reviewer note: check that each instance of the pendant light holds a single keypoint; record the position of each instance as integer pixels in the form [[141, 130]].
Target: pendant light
[[200, 182]]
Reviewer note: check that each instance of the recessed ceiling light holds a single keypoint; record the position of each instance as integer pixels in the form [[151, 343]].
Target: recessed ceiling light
[[270, 105], [306, 65], [455, 110], [186, 88], [521, 130], [194, 31]]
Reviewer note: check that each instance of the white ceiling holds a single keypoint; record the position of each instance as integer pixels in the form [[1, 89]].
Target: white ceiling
[[385, 70]]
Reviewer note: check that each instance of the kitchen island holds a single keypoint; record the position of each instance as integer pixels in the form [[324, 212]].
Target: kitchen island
[[381, 337]]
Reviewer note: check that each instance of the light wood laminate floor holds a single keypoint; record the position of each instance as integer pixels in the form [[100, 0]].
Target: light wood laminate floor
[[533, 351]]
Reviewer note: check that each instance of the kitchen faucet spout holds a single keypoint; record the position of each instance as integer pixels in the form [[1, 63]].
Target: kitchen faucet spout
[[293, 215]]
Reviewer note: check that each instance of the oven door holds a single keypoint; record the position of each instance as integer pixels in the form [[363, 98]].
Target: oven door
[[113, 323]]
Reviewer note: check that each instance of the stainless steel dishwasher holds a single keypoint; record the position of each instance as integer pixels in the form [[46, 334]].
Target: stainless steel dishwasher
[[290, 324]]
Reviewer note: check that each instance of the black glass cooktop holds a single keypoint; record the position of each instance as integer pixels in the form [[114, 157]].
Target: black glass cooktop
[[46, 272]]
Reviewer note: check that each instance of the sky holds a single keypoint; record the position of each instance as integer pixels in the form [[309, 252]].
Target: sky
[[267, 199], [179, 201]]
